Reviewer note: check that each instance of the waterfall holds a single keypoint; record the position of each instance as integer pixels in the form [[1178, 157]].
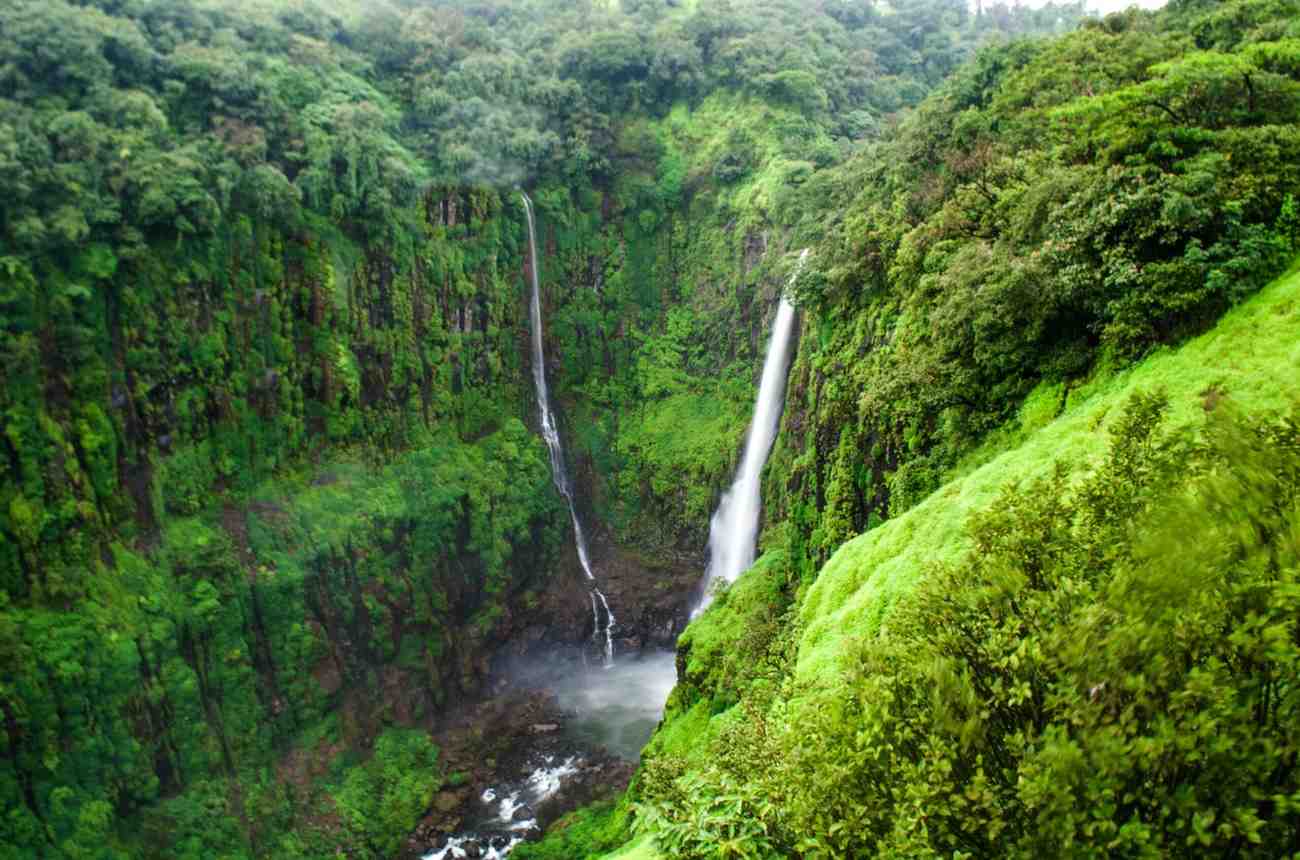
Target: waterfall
[[733, 531], [551, 433]]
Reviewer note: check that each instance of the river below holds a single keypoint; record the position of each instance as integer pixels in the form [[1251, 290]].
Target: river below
[[606, 714]]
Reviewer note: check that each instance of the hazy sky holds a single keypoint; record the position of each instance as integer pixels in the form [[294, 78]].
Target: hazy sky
[[1105, 7], [1108, 6]]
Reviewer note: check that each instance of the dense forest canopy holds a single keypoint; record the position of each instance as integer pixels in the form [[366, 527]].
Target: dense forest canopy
[[126, 120], [269, 495]]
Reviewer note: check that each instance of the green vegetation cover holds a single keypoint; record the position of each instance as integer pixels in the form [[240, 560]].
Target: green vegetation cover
[[270, 497]]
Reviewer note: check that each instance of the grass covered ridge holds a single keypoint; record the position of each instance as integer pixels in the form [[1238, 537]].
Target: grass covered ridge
[[1251, 358]]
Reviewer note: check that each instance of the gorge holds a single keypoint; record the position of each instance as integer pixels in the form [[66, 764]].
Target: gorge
[[382, 378], [617, 708]]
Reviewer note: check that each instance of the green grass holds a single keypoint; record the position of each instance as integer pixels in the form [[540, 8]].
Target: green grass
[[1252, 358], [683, 733], [1043, 405], [714, 639], [581, 833], [640, 848]]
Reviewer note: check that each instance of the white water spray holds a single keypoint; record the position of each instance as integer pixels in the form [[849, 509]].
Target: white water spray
[[733, 531], [551, 433]]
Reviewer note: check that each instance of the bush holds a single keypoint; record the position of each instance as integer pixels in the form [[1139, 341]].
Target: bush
[[382, 800], [584, 832], [1111, 671], [738, 159]]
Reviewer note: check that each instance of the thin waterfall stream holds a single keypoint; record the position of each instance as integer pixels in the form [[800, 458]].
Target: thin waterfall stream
[[551, 433], [733, 531]]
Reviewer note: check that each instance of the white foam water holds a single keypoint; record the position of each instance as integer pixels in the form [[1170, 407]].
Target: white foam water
[[546, 778], [456, 849]]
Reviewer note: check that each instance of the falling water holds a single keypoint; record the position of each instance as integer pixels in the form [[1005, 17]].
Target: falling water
[[733, 531], [551, 433]]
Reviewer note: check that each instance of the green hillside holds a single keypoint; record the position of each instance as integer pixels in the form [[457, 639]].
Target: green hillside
[[1249, 363], [276, 515]]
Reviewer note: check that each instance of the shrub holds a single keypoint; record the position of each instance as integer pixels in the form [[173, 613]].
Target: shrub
[[381, 801], [584, 832], [1111, 671]]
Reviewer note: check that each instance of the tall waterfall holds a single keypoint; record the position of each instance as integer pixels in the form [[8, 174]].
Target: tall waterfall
[[551, 433], [733, 531]]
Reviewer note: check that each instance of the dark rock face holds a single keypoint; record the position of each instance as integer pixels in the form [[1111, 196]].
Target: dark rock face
[[650, 598], [492, 744]]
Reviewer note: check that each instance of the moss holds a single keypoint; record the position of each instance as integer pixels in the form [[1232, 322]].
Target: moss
[[728, 643]]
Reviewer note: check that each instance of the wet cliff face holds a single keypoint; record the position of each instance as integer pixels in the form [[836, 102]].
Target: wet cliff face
[[650, 595], [402, 634], [302, 485]]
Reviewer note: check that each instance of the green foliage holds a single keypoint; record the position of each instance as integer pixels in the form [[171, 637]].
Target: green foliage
[[783, 744], [1021, 229], [1087, 676], [382, 800], [229, 210], [795, 87], [196, 644], [585, 832], [244, 238], [737, 159], [739, 640], [1249, 357], [694, 817]]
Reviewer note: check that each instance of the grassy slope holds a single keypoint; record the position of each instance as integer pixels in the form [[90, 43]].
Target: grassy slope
[[638, 849], [1252, 357]]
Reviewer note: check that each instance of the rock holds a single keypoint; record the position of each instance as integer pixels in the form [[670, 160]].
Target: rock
[[543, 728]]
